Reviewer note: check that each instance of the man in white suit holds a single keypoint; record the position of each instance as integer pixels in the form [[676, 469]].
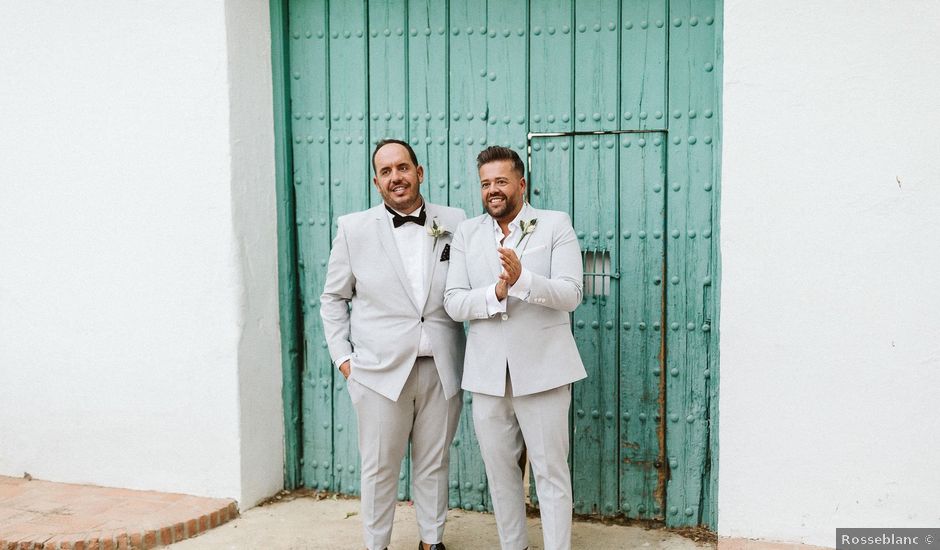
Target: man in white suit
[[516, 274], [387, 332]]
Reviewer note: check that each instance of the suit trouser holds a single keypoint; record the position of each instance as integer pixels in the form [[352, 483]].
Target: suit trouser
[[430, 420], [540, 421]]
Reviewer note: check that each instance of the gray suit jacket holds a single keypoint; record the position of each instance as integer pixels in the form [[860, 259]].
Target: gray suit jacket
[[534, 337], [368, 308]]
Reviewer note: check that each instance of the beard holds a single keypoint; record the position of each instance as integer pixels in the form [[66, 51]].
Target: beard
[[498, 211], [404, 202]]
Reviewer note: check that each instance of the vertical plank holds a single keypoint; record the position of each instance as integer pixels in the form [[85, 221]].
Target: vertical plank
[[505, 79], [388, 107], [642, 211], [712, 137], [596, 399], [551, 98], [290, 297], [427, 93], [428, 124], [349, 162], [551, 72], [310, 112], [597, 82], [596, 104], [467, 101], [387, 69], [689, 307], [643, 64], [467, 73], [551, 77], [551, 187], [643, 97], [552, 173], [702, 252], [387, 73]]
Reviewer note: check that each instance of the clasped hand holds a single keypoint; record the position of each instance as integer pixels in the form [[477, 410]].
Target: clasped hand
[[512, 268]]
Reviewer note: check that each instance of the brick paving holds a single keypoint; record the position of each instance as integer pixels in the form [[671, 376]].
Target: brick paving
[[42, 515]]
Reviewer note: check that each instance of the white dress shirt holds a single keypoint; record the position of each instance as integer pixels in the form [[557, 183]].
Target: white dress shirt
[[520, 289], [410, 240]]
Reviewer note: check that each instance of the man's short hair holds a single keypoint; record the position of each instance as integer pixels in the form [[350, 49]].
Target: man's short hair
[[384, 142], [495, 153]]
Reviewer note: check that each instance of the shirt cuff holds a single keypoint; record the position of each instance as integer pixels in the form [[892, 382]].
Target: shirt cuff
[[493, 305], [339, 362], [523, 285]]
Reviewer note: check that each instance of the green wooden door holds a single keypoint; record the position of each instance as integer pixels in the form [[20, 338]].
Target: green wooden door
[[615, 104]]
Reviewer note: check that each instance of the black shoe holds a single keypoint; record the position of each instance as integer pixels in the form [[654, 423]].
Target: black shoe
[[438, 546]]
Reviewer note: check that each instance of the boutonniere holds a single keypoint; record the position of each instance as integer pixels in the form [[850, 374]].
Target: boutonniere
[[527, 227], [437, 230]]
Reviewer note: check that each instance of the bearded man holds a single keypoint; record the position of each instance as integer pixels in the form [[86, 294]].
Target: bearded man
[[387, 332], [515, 275]]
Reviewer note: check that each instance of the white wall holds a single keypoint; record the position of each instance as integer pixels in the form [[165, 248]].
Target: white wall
[[137, 288], [255, 213], [830, 319]]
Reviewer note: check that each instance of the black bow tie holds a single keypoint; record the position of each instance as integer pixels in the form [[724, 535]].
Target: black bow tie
[[398, 220]]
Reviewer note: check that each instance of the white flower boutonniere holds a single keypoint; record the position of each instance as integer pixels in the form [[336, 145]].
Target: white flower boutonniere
[[527, 227], [437, 230]]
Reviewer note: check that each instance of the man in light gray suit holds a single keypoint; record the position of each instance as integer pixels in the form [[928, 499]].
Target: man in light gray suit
[[516, 274], [387, 332]]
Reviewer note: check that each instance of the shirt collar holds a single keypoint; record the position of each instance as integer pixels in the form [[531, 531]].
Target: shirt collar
[[415, 212], [522, 215]]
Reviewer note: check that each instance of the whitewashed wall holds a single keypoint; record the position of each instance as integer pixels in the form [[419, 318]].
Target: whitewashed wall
[[138, 336], [138, 307], [830, 225]]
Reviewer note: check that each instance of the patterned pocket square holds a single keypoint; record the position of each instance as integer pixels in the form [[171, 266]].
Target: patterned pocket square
[[445, 254]]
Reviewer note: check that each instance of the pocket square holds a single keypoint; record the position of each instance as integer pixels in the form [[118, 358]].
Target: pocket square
[[445, 254]]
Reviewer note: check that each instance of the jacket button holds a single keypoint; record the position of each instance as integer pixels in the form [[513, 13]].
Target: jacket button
[[504, 316], [422, 319]]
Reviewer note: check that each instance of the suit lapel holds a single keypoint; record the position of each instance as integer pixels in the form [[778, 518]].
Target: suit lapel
[[489, 246], [527, 214], [431, 246], [384, 229]]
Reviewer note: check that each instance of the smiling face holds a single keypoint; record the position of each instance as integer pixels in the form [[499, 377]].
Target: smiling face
[[397, 178], [502, 189]]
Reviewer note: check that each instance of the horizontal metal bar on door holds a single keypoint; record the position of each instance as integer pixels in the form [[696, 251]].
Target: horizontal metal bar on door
[[594, 133]]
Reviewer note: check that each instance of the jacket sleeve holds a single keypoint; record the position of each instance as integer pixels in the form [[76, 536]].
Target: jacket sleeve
[[562, 290], [461, 301], [337, 292]]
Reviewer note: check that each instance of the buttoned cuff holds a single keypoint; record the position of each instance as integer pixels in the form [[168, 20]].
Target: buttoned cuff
[[523, 285], [493, 304]]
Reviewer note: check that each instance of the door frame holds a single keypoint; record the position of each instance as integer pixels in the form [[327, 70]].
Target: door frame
[[288, 277], [290, 300]]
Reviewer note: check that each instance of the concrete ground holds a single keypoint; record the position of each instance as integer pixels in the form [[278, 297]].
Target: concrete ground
[[333, 523]]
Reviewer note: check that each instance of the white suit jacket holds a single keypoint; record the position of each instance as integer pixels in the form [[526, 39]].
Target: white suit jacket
[[369, 311], [534, 336]]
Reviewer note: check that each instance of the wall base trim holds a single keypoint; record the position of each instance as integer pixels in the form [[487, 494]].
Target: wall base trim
[[733, 543]]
